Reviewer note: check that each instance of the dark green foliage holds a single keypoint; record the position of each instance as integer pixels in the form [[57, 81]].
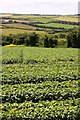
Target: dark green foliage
[[73, 38], [42, 85], [37, 73], [46, 41], [34, 39], [44, 110], [50, 42], [6, 40], [62, 35], [41, 91], [31, 39]]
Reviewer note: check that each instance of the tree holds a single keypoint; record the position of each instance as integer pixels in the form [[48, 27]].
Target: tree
[[52, 42], [46, 41], [62, 35], [34, 38], [6, 40], [73, 38]]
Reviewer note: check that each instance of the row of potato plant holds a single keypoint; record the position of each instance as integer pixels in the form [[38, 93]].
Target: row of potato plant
[[17, 73], [44, 110], [42, 91]]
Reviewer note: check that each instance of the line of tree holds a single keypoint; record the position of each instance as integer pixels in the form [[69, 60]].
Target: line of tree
[[31, 39], [34, 39]]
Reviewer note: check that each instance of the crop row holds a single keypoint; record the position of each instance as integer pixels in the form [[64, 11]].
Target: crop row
[[37, 55], [42, 91], [17, 73], [44, 110]]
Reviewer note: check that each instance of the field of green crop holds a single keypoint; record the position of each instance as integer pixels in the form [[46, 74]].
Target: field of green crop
[[40, 83], [58, 25], [39, 54]]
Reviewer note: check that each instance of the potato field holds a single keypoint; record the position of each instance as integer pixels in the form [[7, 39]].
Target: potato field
[[40, 83]]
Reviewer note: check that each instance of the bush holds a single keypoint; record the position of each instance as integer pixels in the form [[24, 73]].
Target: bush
[[73, 38], [50, 41]]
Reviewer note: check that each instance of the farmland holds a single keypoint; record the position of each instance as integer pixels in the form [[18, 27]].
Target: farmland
[[41, 18], [46, 20], [42, 24], [58, 25], [18, 31], [68, 18], [21, 26], [40, 83], [51, 26]]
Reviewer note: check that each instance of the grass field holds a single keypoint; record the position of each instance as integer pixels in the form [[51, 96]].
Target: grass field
[[17, 31], [43, 19], [68, 18], [21, 26], [58, 25]]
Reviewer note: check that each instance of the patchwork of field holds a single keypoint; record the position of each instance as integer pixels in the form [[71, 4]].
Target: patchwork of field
[[40, 83], [43, 24], [44, 18]]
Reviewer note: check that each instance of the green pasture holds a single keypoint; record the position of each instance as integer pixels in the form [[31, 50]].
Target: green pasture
[[58, 25]]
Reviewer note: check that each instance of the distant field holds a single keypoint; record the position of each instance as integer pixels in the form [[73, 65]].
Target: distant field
[[34, 18], [18, 25], [42, 18], [16, 31], [68, 18], [58, 25], [5, 15]]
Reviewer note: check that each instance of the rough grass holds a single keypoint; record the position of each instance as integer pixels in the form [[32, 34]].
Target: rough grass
[[67, 18], [16, 31], [18, 25]]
